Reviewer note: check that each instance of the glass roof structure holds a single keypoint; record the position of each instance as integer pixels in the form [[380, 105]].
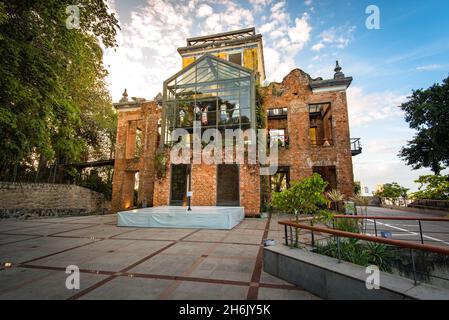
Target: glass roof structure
[[215, 92]]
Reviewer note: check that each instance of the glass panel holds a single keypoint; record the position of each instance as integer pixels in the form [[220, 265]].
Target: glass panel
[[212, 92], [245, 115]]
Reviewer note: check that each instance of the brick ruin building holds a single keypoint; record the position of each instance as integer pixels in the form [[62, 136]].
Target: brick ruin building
[[220, 86]]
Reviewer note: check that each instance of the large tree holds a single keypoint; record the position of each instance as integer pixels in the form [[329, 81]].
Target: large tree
[[427, 111], [54, 105]]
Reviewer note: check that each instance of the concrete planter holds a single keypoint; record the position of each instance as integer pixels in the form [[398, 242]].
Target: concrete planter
[[327, 278]]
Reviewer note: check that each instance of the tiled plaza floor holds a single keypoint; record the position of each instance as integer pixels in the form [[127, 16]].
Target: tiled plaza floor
[[133, 263]]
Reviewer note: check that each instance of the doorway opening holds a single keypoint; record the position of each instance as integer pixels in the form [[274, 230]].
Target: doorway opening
[[329, 174], [180, 184], [228, 193]]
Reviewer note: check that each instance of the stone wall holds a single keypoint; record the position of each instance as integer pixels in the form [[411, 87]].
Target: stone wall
[[42, 199]]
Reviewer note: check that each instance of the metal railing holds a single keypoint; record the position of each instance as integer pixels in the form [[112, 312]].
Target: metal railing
[[356, 146], [370, 231], [367, 237]]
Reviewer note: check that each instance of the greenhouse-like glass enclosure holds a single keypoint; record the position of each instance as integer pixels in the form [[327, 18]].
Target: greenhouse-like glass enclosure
[[216, 93]]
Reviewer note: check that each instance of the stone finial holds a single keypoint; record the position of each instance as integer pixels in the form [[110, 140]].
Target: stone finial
[[124, 96], [338, 74]]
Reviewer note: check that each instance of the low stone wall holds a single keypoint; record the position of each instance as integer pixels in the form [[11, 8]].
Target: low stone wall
[[41, 199], [327, 278]]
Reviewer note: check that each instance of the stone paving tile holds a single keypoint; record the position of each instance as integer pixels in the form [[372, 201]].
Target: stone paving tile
[[171, 234], [163, 264], [140, 233], [208, 291], [129, 288], [10, 226], [213, 255], [235, 251], [99, 219], [225, 269], [34, 248], [208, 235], [269, 279], [107, 255], [243, 238], [190, 248], [26, 284], [98, 231], [284, 294], [253, 224], [48, 229], [7, 238]]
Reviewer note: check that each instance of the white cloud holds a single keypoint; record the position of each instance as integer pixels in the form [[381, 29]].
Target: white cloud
[[318, 46], [258, 5], [338, 37], [430, 67], [300, 33], [204, 10], [367, 107], [284, 38], [147, 53]]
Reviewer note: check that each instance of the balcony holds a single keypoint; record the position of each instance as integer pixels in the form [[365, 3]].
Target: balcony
[[280, 113], [356, 146]]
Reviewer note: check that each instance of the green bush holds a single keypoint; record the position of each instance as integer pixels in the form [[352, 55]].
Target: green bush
[[348, 225], [357, 252]]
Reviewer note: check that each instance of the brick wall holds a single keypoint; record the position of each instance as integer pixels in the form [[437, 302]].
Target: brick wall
[[295, 94]]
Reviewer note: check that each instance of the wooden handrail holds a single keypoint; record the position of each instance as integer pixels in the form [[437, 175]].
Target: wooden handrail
[[343, 216], [345, 234]]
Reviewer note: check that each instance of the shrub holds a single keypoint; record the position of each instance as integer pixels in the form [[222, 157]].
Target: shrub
[[357, 252]]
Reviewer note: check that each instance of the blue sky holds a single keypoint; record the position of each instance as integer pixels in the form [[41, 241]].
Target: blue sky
[[410, 51]]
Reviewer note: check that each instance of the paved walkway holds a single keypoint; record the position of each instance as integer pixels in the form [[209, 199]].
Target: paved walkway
[[132, 263]]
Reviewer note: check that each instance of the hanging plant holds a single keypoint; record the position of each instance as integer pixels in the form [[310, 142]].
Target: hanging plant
[[160, 164]]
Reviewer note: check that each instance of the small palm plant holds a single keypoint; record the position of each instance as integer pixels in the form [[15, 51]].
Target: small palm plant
[[336, 197], [362, 202]]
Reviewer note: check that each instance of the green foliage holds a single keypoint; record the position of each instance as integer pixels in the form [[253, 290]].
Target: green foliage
[[433, 187], [53, 99], [393, 190], [303, 197], [357, 252], [349, 225], [260, 114], [160, 163], [427, 111], [335, 196], [357, 187], [96, 183]]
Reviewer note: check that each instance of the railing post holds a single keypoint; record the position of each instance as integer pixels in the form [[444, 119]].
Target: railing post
[[338, 249], [291, 234], [420, 232], [375, 227], [313, 235], [286, 235], [414, 267]]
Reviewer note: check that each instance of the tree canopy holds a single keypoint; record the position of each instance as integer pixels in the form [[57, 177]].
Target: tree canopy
[[427, 111], [303, 197], [393, 190], [432, 187], [54, 104]]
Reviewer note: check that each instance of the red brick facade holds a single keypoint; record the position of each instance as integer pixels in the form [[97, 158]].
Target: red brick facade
[[301, 157]]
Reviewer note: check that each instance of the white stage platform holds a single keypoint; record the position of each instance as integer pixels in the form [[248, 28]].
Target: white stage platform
[[221, 218]]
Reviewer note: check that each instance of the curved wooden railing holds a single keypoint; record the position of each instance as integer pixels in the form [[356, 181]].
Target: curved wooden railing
[[345, 234]]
